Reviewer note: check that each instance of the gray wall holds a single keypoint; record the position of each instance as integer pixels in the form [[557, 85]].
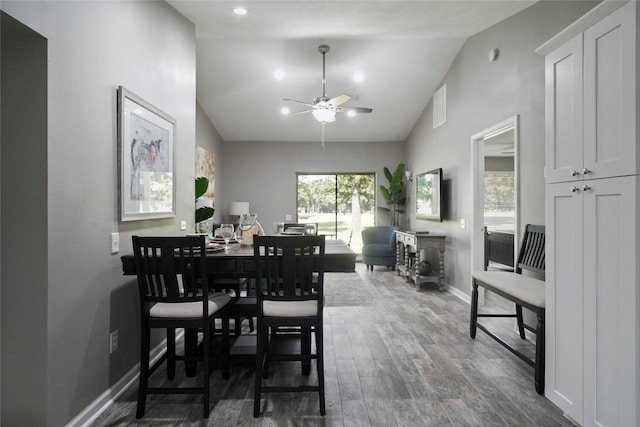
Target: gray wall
[[498, 164], [24, 224], [92, 48], [481, 94], [264, 173]]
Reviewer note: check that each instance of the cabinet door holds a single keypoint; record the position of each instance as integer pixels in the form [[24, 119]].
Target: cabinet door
[[564, 305], [611, 302], [609, 95], [563, 112]]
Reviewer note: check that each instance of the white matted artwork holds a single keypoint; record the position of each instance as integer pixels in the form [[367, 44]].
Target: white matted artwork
[[205, 166], [146, 153]]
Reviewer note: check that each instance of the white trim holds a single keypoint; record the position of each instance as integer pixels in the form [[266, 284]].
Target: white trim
[[459, 294], [593, 16], [106, 399], [477, 171]]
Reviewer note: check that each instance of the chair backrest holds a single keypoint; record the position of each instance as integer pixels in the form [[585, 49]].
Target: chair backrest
[[302, 227], [289, 268], [531, 255], [498, 247], [379, 234], [171, 269]]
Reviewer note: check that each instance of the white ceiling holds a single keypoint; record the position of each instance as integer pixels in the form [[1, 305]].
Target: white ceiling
[[403, 48]]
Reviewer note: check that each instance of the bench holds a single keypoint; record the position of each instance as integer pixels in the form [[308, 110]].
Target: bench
[[524, 290]]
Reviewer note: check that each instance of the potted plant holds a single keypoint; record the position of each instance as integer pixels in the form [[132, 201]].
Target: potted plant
[[421, 268], [203, 212], [394, 194]]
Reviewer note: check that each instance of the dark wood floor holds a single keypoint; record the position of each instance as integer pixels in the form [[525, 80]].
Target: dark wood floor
[[395, 357]]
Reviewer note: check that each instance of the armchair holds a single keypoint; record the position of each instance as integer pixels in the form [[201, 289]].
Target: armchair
[[379, 246]]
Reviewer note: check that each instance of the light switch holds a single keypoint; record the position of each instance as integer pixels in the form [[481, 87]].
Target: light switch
[[462, 223], [115, 243], [183, 225]]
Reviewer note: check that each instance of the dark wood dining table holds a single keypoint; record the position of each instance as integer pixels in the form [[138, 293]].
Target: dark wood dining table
[[238, 262]]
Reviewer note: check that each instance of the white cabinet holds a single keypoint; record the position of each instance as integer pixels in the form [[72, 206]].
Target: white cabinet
[[592, 218], [564, 311], [592, 300], [591, 95]]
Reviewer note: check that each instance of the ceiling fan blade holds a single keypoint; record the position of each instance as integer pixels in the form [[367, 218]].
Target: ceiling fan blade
[[354, 109], [297, 112], [339, 100], [299, 102]]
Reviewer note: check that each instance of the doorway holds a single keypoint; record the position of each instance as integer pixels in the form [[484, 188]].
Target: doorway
[[495, 184]]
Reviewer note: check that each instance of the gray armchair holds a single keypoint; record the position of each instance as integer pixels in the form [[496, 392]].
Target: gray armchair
[[379, 246]]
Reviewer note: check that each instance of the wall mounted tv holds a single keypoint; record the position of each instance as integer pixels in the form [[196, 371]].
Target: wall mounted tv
[[429, 195]]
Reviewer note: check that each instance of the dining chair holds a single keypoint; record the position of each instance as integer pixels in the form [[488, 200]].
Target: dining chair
[[290, 280], [307, 228], [174, 293]]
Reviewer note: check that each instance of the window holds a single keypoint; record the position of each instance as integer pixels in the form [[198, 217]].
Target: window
[[499, 201], [341, 204]]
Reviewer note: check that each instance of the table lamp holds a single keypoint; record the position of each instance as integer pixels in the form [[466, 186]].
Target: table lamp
[[239, 208]]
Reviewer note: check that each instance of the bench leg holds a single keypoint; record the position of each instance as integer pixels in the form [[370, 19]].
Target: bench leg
[[539, 369], [474, 310], [520, 321]]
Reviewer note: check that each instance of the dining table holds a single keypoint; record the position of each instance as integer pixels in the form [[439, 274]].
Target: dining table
[[237, 262]]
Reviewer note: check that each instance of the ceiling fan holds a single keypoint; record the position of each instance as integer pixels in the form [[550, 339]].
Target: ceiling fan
[[323, 108]]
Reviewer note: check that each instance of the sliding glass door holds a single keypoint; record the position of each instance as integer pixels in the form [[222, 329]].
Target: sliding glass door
[[341, 204]]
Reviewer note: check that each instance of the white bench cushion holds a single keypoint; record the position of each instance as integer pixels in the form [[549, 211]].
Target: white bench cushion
[[184, 310], [290, 308], [522, 287]]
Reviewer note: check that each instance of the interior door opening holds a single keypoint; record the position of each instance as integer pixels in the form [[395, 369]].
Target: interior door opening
[[495, 186]]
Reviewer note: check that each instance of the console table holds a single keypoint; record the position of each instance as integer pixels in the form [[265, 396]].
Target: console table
[[407, 240]]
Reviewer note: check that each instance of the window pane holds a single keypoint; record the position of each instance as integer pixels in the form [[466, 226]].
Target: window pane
[[341, 204], [499, 201]]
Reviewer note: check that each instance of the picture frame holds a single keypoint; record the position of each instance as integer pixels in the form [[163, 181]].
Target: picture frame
[[146, 159]]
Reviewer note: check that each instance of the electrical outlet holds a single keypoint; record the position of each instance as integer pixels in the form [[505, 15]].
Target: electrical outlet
[[113, 341], [115, 243], [183, 225], [288, 217]]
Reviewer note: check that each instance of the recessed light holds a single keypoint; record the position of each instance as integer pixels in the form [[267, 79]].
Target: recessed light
[[240, 11], [358, 77], [351, 113], [284, 111], [278, 74]]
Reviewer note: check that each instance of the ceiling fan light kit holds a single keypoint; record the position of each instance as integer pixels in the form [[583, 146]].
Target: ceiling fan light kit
[[323, 108]]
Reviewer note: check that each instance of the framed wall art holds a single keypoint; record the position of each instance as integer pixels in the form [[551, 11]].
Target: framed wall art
[[146, 159]]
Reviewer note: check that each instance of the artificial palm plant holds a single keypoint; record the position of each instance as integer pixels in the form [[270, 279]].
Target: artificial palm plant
[[204, 212], [394, 194]]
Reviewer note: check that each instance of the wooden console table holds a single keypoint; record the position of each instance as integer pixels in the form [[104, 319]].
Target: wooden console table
[[418, 241]]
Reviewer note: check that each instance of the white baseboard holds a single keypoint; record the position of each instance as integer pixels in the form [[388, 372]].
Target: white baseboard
[[458, 293], [106, 399]]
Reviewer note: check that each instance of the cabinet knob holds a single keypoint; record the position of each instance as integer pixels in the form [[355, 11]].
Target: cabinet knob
[[575, 189], [574, 173], [586, 188], [586, 171]]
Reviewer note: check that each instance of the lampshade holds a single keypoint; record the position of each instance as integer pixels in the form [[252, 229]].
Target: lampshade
[[325, 115], [239, 208]]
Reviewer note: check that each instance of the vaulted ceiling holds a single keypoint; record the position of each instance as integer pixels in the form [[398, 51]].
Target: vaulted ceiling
[[402, 48]]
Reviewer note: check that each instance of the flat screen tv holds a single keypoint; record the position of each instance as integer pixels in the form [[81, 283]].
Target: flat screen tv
[[429, 195]]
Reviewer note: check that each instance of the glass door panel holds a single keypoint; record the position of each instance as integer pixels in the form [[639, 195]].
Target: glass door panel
[[341, 204]]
